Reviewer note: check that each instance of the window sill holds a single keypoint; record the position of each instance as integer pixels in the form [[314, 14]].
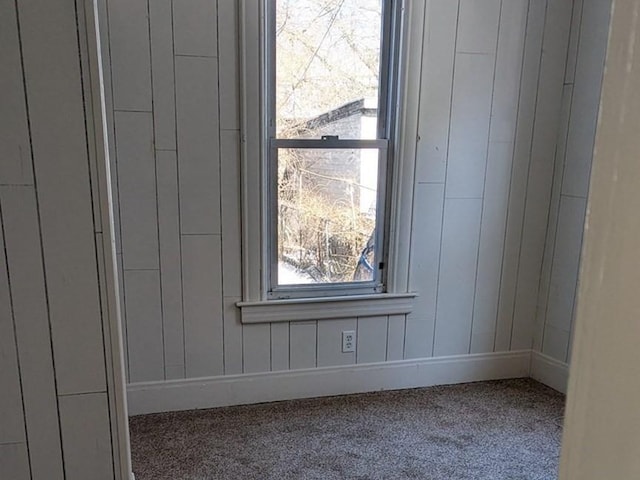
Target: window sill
[[324, 308]]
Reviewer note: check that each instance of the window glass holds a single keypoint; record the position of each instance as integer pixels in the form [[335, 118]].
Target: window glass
[[327, 68], [326, 220]]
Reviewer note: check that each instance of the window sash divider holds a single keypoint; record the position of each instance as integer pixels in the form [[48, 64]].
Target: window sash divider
[[311, 143]]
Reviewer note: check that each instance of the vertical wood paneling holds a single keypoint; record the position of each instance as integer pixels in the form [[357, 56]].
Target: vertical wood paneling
[[574, 40], [302, 346], [144, 325], [424, 268], [232, 337], [15, 167], [478, 26], [470, 116], [256, 348], [11, 414], [545, 137], [330, 342], [395, 337], [460, 236], [372, 339], [170, 264], [519, 171], [123, 314], [53, 84], [24, 261], [279, 346], [494, 215], [137, 188], [130, 54], [198, 144], [506, 86], [552, 223], [594, 31], [228, 58], [435, 90], [566, 260], [164, 107], [202, 290], [14, 461], [195, 27], [86, 436], [231, 213]]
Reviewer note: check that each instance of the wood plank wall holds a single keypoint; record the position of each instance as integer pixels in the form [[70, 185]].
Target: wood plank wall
[[56, 380], [580, 102], [488, 118]]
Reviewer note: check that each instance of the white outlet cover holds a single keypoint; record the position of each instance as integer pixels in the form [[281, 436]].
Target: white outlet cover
[[348, 341]]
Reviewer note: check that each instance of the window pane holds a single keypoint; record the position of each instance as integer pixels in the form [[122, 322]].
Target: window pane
[[327, 68], [327, 202]]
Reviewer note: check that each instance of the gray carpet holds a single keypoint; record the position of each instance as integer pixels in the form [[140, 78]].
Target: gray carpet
[[506, 429]]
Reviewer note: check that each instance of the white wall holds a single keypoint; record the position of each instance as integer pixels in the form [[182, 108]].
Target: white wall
[[602, 422], [580, 101], [488, 85], [60, 413]]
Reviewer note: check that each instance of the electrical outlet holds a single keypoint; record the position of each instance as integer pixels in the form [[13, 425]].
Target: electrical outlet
[[348, 341]]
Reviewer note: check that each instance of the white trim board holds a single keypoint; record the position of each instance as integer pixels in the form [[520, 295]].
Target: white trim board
[[549, 371], [175, 395]]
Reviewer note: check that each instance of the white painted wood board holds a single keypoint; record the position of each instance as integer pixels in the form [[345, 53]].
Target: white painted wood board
[[458, 264], [130, 54], [540, 178], [11, 413], [170, 262], [195, 27], [574, 40], [425, 248], [137, 189], [16, 167], [330, 342], [198, 144], [552, 224], [491, 248], [395, 337], [228, 58], [256, 348], [202, 293], [279, 346], [478, 26], [418, 337], [86, 436], [566, 261], [52, 79], [506, 85], [144, 325], [302, 346], [470, 118], [371, 339], [163, 74], [231, 213], [24, 262], [436, 80], [14, 459], [232, 337], [522, 150], [594, 30]]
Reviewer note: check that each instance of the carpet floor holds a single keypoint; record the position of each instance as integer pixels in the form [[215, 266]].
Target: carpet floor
[[507, 429]]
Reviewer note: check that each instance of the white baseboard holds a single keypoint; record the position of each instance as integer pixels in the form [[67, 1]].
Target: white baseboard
[[549, 371], [174, 395]]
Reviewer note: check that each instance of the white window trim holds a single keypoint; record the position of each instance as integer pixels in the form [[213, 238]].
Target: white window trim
[[255, 303]]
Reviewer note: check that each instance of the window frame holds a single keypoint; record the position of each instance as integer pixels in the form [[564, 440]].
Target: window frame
[[383, 143], [399, 184]]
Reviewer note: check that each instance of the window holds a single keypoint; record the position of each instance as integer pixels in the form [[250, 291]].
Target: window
[[326, 197], [327, 142]]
